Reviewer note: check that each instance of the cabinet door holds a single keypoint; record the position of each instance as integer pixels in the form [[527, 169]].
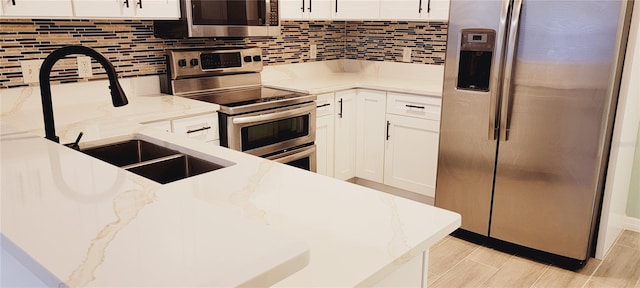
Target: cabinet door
[[345, 135], [325, 134], [411, 154], [370, 135], [103, 8], [156, 9], [402, 9], [438, 10], [356, 9], [319, 9], [324, 145], [36, 8], [292, 9], [139, 9], [202, 127]]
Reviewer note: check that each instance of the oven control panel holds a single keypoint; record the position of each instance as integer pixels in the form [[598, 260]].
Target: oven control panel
[[185, 63]]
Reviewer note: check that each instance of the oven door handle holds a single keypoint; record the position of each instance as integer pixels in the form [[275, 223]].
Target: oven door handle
[[294, 154], [272, 116]]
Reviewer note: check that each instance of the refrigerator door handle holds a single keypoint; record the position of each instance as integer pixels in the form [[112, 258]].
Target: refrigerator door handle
[[512, 40], [494, 101]]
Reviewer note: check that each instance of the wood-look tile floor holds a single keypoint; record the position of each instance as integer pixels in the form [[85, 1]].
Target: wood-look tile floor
[[458, 263]]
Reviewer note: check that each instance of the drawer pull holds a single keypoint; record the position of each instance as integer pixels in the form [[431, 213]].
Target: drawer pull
[[323, 105], [198, 130], [414, 106]]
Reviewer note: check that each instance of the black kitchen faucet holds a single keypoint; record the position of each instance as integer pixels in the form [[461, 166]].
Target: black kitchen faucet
[[117, 94]]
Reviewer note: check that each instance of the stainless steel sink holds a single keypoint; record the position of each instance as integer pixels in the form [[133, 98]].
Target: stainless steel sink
[[152, 161]]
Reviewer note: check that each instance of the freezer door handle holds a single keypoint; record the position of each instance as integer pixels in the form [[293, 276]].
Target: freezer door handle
[[512, 40], [495, 84]]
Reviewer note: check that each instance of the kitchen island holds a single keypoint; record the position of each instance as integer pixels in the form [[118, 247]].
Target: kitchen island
[[77, 221]]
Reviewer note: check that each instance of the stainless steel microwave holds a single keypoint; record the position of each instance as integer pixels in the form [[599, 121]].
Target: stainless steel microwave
[[222, 18]]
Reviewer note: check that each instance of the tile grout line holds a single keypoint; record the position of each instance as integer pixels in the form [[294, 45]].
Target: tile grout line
[[603, 259], [458, 263], [546, 268]]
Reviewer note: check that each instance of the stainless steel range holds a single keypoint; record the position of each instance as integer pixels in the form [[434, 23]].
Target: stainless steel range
[[271, 123]]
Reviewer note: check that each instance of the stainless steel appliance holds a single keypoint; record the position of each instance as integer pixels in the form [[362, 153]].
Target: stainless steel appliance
[[272, 123], [222, 18], [529, 95]]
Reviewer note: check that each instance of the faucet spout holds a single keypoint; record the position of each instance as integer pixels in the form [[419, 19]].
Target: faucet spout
[[117, 94]]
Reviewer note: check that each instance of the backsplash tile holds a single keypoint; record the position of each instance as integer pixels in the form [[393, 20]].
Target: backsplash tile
[[134, 51], [385, 40]]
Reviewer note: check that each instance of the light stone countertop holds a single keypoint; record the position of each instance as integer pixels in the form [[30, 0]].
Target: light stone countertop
[[86, 223], [336, 75]]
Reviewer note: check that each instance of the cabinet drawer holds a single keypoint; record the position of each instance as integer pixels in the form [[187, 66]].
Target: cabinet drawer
[[202, 127], [425, 107], [325, 104]]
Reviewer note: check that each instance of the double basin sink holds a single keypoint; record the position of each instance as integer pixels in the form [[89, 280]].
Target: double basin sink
[[155, 162]]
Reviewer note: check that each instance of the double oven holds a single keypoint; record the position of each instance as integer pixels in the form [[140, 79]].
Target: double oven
[[271, 123]]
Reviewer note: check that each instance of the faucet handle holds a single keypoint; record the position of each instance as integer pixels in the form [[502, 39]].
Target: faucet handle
[[75, 145]]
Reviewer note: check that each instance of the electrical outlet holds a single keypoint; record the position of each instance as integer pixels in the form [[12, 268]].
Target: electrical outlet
[[313, 51], [406, 54], [30, 70], [84, 66]]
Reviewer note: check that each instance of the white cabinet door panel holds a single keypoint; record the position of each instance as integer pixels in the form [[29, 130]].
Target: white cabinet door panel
[[411, 154], [324, 145], [356, 9], [371, 130], [202, 127], [345, 135], [36, 8]]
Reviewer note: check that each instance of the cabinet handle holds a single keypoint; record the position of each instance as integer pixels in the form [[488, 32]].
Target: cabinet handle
[[310, 5], [428, 6], [336, 6], [414, 106], [323, 105], [388, 124], [340, 101], [302, 6], [198, 130], [139, 4], [13, 2], [420, 7], [126, 3]]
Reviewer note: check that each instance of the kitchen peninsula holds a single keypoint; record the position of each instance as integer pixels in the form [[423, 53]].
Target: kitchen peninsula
[[77, 221]]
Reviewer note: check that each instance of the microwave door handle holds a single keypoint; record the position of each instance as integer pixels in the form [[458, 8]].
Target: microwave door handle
[[272, 116]]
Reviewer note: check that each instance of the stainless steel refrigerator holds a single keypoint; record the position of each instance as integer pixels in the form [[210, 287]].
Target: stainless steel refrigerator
[[529, 96]]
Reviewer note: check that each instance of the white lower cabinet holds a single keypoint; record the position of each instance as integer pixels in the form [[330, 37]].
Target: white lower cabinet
[[202, 127], [370, 134], [411, 154], [384, 137], [325, 130], [345, 134]]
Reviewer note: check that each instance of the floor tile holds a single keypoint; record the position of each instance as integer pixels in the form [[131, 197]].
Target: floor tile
[[620, 267], [595, 284], [467, 273], [489, 257], [516, 272], [448, 253], [630, 239], [558, 277]]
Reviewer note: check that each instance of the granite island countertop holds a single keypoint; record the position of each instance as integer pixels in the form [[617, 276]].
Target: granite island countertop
[[83, 222]]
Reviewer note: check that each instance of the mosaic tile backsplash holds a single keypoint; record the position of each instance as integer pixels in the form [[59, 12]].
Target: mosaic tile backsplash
[[134, 51]]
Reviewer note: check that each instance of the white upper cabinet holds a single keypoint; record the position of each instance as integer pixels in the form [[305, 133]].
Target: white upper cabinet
[[305, 9], [36, 8], [356, 9], [139, 9], [433, 10]]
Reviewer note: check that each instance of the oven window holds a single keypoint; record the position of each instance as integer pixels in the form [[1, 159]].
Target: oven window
[[274, 132], [229, 12], [304, 163]]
